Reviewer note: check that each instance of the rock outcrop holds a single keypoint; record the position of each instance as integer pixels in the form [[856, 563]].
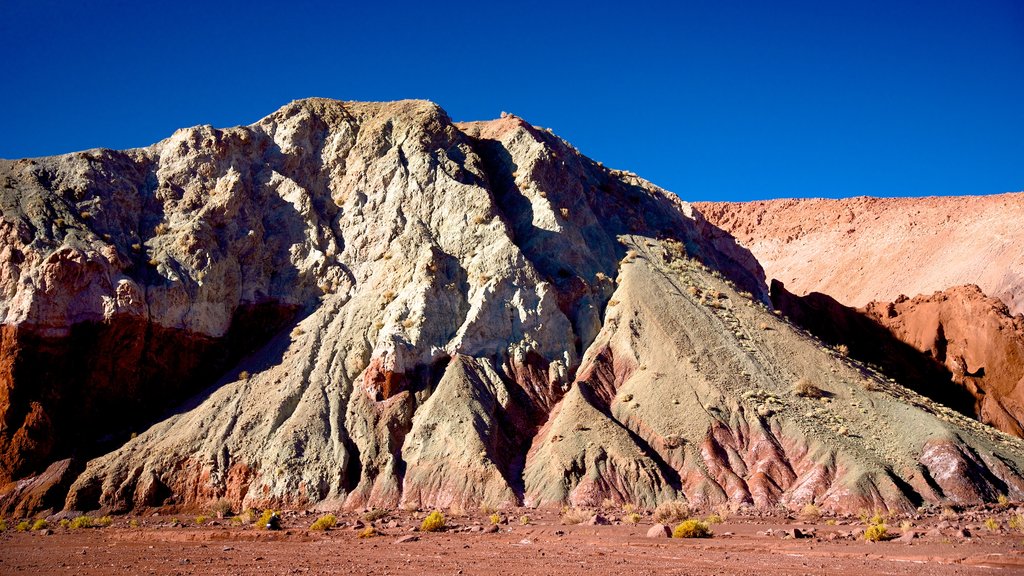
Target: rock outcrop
[[384, 308], [859, 250]]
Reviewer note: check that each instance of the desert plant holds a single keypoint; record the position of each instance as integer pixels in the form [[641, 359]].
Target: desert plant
[[991, 524], [495, 518], [133, 523], [103, 521], [632, 518], [80, 522], [949, 515], [1002, 501], [161, 229], [671, 512], [524, 520], [368, 532], [843, 350], [876, 533], [64, 523], [269, 520], [222, 508], [692, 529], [23, 526], [325, 522], [434, 522], [629, 508], [714, 519], [1016, 522], [201, 519], [375, 514], [571, 516], [40, 524], [804, 388], [608, 503], [810, 512]]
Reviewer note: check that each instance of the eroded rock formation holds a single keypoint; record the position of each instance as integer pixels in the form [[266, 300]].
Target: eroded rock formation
[[472, 313]]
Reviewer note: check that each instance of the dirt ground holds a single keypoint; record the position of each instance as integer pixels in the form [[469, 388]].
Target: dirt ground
[[740, 545]]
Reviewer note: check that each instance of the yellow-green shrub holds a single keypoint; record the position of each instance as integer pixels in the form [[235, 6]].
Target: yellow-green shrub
[[692, 529], [325, 522], [201, 519], [495, 518], [80, 522], [23, 526], [40, 525], [270, 520], [632, 518], [671, 512], [434, 522], [103, 521], [876, 533], [991, 524], [368, 532]]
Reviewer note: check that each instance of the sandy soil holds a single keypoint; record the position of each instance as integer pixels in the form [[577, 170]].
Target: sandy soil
[[740, 546]]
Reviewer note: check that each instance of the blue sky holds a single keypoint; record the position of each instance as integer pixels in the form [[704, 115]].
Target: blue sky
[[715, 100]]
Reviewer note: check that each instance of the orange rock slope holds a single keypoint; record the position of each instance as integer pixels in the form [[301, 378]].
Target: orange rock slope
[[859, 250]]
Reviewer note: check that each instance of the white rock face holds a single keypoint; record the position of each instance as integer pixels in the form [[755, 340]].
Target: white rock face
[[463, 295]]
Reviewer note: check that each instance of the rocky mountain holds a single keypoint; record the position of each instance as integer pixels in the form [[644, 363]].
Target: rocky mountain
[[843, 268], [364, 304], [860, 250]]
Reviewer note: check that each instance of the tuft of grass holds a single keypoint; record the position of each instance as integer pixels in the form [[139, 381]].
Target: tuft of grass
[[64, 523], [133, 523], [843, 350], [876, 533], [714, 519], [949, 515], [40, 524], [375, 514], [103, 521], [80, 522], [325, 522], [3, 525], [671, 512], [495, 518], [201, 519], [632, 518], [222, 508], [434, 522], [572, 516], [1016, 522], [368, 532], [810, 512], [804, 388], [23, 526], [692, 529], [269, 520], [524, 520], [991, 524], [1002, 501]]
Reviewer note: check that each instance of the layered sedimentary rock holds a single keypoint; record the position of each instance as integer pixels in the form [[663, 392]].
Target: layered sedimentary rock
[[860, 250], [472, 313]]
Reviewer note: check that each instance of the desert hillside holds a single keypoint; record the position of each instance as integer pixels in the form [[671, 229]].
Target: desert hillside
[[859, 250], [367, 305]]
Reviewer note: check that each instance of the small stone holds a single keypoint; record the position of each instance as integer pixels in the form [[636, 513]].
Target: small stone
[[407, 539], [598, 520], [492, 529], [659, 531]]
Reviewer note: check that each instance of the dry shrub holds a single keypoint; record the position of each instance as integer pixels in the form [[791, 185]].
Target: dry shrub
[[806, 389], [810, 512], [671, 512], [325, 522], [876, 533], [692, 529], [571, 516], [368, 532], [375, 514], [434, 522]]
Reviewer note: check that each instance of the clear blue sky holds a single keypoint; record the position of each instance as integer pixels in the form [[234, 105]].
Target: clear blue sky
[[714, 100]]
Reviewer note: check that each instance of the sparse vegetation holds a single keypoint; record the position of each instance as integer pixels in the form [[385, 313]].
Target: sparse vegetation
[[269, 520], [201, 519], [64, 523], [524, 520], [325, 522], [843, 350], [80, 522], [692, 529], [3, 525], [949, 515], [571, 516], [876, 533], [23, 526], [810, 512], [368, 532], [671, 512], [222, 508], [992, 525], [375, 514], [161, 229], [1016, 522], [804, 388], [714, 519], [495, 518], [243, 375], [40, 524], [632, 518], [434, 522], [133, 523], [1003, 501]]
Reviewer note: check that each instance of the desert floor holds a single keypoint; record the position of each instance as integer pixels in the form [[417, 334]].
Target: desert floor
[[741, 545]]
